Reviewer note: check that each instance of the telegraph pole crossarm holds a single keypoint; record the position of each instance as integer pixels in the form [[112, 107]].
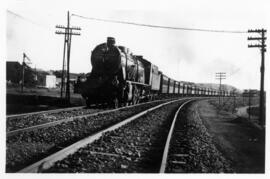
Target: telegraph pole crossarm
[[256, 30], [256, 46], [67, 33], [256, 38]]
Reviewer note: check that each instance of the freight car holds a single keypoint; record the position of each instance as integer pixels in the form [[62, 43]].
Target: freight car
[[119, 77]]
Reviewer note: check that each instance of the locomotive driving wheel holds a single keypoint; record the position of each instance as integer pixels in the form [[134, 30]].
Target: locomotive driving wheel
[[135, 97], [115, 103], [87, 101]]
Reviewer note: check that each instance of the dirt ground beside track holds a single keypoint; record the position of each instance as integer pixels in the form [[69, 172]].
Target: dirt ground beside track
[[238, 140]]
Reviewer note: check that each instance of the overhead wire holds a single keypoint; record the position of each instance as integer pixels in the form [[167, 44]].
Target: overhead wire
[[139, 24], [28, 20], [159, 26], [165, 27], [133, 23]]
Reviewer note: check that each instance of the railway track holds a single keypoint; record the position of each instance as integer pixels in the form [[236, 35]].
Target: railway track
[[132, 145], [43, 112], [28, 120], [190, 148], [24, 148], [175, 152], [37, 120]]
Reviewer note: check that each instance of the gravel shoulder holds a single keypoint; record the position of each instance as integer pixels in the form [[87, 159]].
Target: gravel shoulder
[[239, 142]]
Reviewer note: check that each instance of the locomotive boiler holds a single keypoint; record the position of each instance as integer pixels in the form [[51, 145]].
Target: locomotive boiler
[[118, 77]]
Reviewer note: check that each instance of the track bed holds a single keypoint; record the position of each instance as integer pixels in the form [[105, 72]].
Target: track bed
[[28, 147], [135, 147]]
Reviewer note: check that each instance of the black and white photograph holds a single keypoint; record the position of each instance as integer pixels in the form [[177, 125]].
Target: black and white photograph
[[134, 87]]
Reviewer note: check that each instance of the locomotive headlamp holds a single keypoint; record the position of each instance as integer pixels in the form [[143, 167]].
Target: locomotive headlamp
[[82, 79]]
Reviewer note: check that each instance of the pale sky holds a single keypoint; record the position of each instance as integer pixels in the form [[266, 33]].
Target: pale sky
[[182, 55]]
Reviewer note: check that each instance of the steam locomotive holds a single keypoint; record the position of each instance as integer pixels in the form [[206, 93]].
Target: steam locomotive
[[119, 77]]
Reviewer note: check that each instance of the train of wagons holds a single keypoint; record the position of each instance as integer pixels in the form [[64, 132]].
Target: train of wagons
[[119, 77]]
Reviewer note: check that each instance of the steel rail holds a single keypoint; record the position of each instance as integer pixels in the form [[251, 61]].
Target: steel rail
[[49, 124], [167, 145], [50, 160], [43, 112]]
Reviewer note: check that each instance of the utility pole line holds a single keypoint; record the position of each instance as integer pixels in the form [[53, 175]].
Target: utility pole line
[[220, 76], [249, 103], [23, 66], [36, 78], [234, 96], [63, 67], [68, 60], [22, 83], [67, 44], [262, 47]]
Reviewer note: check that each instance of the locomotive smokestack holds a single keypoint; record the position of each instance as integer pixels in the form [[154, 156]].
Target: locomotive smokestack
[[110, 41]]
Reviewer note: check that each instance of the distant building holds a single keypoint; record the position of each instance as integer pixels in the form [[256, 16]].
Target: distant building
[[72, 78], [36, 77], [58, 82], [14, 72], [253, 93], [50, 81]]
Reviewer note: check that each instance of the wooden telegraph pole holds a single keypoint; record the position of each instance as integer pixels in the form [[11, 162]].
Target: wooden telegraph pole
[[220, 76], [23, 68], [68, 32], [262, 46], [234, 104]]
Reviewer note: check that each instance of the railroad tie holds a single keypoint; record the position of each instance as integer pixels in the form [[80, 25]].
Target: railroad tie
[[178, 162], [180, 155]]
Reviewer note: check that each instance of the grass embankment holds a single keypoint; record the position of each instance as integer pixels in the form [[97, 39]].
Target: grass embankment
[[230, 104], [37, 99], [237, 139], [254, 111]]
